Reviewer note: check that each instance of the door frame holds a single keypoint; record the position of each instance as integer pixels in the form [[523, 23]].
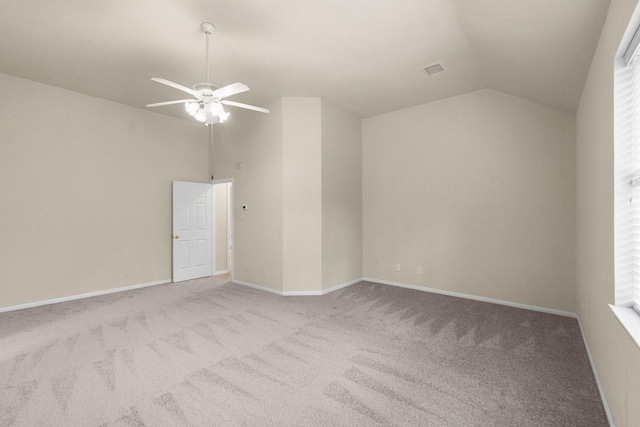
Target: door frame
[[231, 225]]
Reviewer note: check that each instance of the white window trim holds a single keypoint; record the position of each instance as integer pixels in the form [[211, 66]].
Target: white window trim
[[629, 320]]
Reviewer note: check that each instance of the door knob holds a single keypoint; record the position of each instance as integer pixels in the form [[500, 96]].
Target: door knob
[[175, 236]]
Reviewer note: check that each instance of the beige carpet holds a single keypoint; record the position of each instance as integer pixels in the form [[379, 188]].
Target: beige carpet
[[210, 353]]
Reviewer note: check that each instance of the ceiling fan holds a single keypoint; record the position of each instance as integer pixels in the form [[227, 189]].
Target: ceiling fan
[[208, 101]]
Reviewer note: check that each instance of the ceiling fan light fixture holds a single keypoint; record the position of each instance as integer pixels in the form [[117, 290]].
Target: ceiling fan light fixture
[[215, 108], [222, 117], [200, 115], [192, 107], [205, 111]]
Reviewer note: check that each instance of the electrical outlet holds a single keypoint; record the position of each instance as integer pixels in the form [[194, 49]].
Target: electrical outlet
[[264, 271], [419, 270], [397, 267], [128, 271]]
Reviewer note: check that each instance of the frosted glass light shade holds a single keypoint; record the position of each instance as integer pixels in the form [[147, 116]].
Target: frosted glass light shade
[[201, 115], [223, 116], [191, 107], [215, 108]]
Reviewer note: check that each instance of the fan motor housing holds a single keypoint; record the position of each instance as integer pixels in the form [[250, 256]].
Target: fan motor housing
[[205, 88]]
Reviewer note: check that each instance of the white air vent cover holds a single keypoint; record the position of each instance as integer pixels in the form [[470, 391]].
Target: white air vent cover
[[433, 69]]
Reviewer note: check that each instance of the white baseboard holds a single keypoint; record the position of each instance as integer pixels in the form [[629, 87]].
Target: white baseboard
[[607, 410], [295, 293], [474, 297], [342, 285], [258, 287], [80, 296], [215, 273], [298, 293], [322, 292], [404, 285]]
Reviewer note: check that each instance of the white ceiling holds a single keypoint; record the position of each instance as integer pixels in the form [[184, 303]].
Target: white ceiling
[[364, 55]]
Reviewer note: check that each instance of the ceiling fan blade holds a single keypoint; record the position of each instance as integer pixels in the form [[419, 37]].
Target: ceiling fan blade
[[160, 104], [229, 90], [175, 86], [247, 106]]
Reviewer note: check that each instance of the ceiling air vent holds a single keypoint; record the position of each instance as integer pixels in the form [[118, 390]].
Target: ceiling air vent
[[433, 69]]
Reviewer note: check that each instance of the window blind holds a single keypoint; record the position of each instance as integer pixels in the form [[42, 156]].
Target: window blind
[[634, 183], [627, 179]]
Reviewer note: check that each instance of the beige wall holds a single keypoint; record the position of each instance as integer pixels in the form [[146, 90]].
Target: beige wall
[[341, 196], [255, 141], [302, 186], [301, 179], [616, 357], [86, 191], [477, 191]]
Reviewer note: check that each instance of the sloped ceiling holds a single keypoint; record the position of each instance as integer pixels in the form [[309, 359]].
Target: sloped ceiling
[[364, 55]]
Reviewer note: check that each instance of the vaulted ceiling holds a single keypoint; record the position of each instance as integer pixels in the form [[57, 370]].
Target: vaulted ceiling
[[364, 55]]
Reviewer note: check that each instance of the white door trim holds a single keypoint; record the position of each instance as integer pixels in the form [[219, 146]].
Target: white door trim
[[231, 224]]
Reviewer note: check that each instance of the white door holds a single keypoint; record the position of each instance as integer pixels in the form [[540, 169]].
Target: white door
[[192, 230]]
